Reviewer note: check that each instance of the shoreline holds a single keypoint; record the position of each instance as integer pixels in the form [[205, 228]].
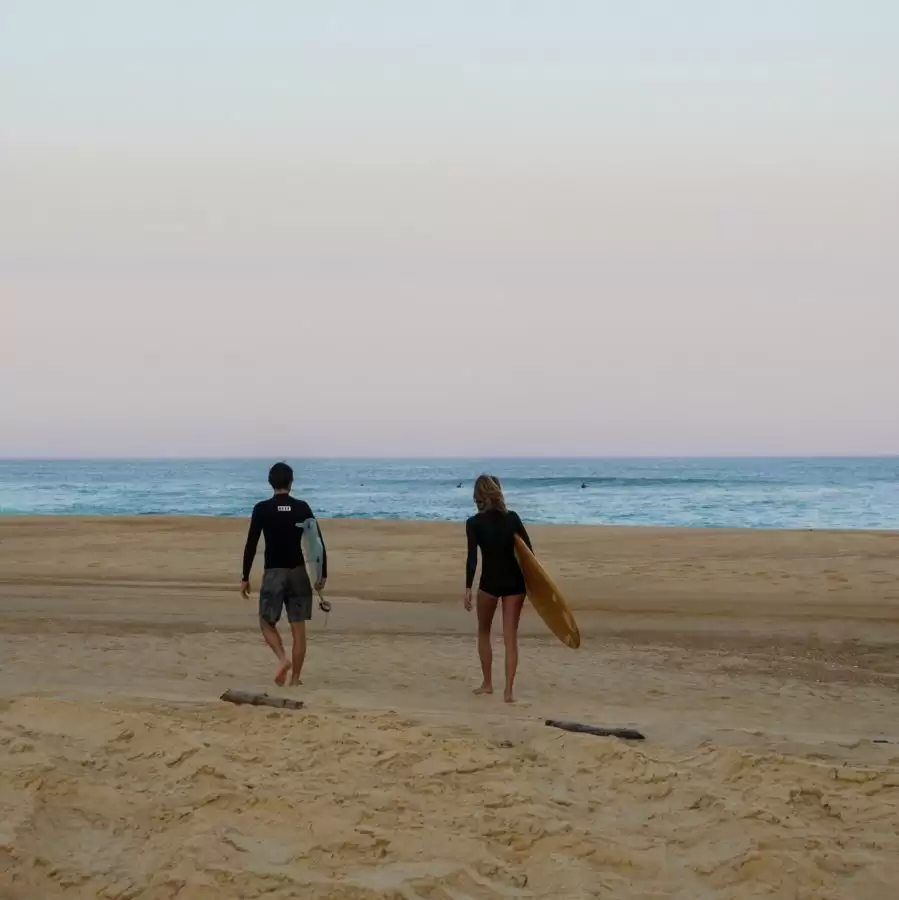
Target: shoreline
[[460, 522]]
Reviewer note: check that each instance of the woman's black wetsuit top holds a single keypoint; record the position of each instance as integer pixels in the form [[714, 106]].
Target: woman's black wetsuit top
[[494, 532]]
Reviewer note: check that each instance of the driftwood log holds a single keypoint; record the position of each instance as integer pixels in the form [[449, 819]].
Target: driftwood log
[[628, 734], [261, 700]]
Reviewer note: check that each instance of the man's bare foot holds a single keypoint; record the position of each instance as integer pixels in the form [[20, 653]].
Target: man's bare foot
[[483, 689], [295, 682], [281, 674], [507, 696]]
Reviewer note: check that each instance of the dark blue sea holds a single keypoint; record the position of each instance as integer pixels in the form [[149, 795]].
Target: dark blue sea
[[742, 493]]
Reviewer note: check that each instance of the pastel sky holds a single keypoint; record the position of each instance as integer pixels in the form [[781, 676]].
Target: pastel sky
[[480, 227]]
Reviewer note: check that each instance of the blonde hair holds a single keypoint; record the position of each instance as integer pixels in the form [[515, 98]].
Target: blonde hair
[[488, 494]]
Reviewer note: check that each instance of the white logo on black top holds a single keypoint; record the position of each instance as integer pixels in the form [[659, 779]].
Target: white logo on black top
[[285, 508]]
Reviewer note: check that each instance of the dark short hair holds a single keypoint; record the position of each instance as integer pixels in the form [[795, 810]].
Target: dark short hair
[[280, 476]]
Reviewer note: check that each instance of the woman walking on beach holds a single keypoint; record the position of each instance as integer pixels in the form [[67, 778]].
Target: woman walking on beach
[[493, 530]]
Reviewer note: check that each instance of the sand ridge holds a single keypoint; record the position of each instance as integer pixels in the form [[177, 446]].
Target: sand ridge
[[122, 801], [664, 570]]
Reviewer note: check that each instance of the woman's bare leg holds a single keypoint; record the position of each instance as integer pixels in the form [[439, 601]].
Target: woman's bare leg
[[511, 616], [486, 612]]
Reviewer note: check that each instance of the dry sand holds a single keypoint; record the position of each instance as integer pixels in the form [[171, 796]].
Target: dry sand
[[761, 666]]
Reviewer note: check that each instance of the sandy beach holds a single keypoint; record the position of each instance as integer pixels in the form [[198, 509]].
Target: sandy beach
[[762, 667]]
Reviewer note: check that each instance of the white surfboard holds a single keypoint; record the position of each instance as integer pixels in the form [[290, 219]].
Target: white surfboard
[[313, 551]]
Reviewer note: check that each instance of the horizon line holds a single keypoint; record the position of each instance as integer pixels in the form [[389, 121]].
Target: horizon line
[[436, 458]]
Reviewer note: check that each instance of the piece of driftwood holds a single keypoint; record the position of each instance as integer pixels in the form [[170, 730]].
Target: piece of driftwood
[[261, 700], [628, 734]]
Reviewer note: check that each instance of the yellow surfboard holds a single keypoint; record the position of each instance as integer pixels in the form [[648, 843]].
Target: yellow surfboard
[[545, 597]]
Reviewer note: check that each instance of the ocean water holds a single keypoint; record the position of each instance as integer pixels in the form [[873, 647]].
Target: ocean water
[[744, 493]]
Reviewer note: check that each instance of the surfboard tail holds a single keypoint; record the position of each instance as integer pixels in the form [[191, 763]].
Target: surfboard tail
[[546, 598]]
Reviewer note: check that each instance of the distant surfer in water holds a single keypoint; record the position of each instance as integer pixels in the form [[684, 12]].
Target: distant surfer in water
[[493, 530], [284, 581]]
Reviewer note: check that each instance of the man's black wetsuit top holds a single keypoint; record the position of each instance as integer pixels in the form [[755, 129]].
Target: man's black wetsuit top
[[494, 532], [280, 519]]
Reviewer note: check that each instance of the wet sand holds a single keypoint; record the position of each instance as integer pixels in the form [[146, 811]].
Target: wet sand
[[762, 667]]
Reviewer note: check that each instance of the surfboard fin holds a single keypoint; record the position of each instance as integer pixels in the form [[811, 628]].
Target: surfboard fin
[[324, 606]]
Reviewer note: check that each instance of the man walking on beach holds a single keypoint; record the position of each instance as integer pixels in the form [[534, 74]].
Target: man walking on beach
[[284, 581]]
